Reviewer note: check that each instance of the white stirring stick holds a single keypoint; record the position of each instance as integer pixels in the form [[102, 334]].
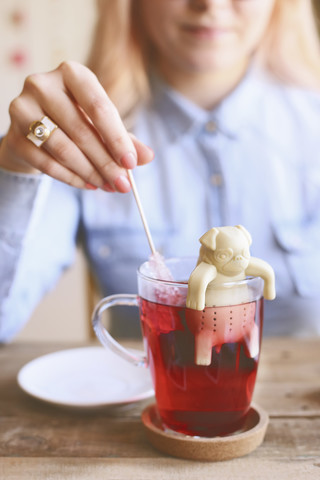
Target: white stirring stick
[[160, 268], [139, 205]]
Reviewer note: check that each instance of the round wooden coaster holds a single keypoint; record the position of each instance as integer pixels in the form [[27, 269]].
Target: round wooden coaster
[[209, 449]]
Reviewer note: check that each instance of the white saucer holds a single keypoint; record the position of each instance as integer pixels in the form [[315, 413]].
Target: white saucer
[[85, 377]]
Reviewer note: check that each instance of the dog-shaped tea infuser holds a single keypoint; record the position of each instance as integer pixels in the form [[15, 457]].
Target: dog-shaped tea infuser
[[224, 257]]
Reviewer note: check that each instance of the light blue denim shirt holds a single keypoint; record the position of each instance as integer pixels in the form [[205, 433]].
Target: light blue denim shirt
[[253, 160]]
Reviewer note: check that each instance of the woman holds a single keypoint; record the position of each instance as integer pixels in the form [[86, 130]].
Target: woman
[[226, 92]]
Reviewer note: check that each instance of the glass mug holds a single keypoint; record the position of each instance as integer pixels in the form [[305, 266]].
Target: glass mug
[[192, 399]]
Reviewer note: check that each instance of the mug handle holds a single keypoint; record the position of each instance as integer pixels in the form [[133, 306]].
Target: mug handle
[[104, 336]]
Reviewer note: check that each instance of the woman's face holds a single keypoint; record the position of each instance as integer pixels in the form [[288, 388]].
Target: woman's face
[[204, 35]]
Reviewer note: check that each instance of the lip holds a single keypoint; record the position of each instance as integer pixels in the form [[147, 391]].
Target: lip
[[206, 32]]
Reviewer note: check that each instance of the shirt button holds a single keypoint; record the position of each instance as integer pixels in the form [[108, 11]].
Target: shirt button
[[104, 251], [211, 126], [216, 180]]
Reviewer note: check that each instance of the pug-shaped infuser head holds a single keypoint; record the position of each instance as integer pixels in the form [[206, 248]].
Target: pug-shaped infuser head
[[227, 248], [224, 257]]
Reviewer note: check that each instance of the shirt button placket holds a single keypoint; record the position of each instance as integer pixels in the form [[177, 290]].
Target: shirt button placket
[[211, 126], [104, 251], [216, 179], [215, 176]]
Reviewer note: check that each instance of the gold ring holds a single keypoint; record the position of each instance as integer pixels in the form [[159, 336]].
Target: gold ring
[[40, 131]]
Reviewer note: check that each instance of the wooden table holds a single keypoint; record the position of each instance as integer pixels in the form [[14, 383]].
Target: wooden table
[[39, 441]]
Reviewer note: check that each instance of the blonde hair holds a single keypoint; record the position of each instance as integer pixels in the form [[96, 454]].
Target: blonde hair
[[117, 56], [120, 58], [290, 50]]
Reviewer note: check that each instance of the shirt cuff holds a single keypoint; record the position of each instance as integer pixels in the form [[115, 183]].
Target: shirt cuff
[[19, 194]]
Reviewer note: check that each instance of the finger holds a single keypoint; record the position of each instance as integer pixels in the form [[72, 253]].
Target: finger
[[43, 162], [22, 112], [145, 153], [87, 149], [77, 126], [67, 153], [101, 111]]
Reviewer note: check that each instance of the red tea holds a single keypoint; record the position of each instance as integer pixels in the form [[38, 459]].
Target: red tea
[[194, 399]]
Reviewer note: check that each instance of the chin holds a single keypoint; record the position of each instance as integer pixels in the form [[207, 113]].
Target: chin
[[208, 63]]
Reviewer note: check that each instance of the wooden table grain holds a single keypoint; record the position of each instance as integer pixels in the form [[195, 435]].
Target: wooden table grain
[[41, 441]]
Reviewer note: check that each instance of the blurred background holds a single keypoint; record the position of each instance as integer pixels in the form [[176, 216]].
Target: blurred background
[[37, 36]]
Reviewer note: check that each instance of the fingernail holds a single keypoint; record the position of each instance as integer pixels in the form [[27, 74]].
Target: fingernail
[[108, 188], [129, 160], [151, 151], [149, 148], [122, 184], [89, 186]]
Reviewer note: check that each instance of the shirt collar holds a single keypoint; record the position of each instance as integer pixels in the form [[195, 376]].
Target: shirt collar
[[180, 115]]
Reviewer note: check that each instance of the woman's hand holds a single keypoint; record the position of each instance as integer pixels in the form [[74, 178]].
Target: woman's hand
[[91, 148]]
